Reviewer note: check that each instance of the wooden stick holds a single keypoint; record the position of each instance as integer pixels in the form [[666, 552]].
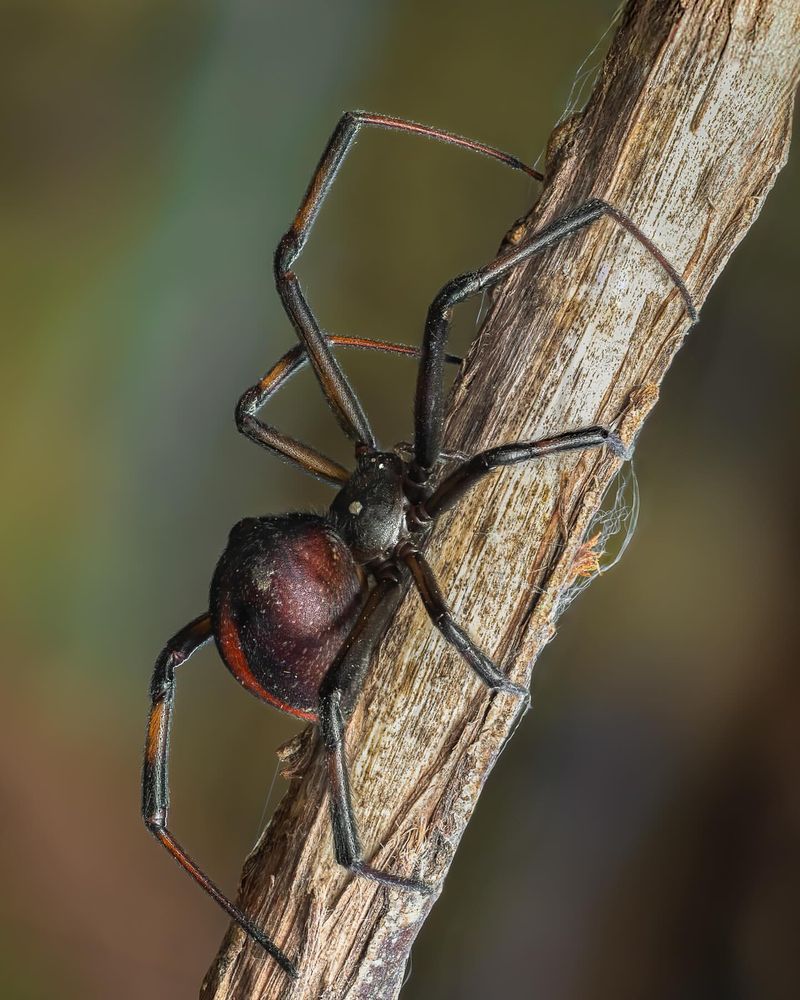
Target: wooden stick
[[686, 131]]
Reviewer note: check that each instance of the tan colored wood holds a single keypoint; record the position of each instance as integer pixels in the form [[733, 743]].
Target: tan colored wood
[[686, 131]]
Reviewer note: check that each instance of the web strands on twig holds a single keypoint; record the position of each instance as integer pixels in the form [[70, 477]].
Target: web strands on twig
[[608, 536]]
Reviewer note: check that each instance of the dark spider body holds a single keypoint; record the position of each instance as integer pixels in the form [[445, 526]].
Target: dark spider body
[[370, 510], [288, 589], [298, 601], [284, 597]]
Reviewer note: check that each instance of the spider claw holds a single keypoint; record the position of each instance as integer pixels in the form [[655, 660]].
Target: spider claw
[[618, 446], [288, 966], [423, 888], [516, 689], [392, 881]]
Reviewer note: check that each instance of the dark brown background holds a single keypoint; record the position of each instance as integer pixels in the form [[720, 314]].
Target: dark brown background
[[640, 838]]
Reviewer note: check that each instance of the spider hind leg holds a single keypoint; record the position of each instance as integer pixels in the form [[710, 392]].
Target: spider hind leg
[[155, 783]]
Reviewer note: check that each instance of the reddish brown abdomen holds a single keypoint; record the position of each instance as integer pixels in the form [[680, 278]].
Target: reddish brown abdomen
[[283, 598]]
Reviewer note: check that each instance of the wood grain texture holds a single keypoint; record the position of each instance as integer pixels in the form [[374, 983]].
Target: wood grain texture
[[686, 131]]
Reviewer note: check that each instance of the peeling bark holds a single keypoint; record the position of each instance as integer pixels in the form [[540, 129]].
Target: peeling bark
[[686, 131]]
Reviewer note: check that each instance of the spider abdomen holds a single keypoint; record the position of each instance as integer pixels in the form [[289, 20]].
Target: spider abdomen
[[284, 596]]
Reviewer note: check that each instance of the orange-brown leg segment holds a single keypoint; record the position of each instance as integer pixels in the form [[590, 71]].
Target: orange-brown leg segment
[[335, 386], [307, 458], [155, 783]]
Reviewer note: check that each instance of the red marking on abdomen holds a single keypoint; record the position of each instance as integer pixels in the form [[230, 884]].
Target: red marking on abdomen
[[235, 658]]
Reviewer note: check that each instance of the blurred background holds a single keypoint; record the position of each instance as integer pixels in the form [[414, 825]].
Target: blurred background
[[641, 836]]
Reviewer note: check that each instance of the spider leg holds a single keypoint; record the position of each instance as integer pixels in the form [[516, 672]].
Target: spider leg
[[336, 696], [337, 390], [428, 406], [155, 785], [466, 475], [286, 447], [453, 633]]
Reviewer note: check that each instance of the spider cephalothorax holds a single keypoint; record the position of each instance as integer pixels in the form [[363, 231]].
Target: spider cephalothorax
[[298, 600], [369, 511]]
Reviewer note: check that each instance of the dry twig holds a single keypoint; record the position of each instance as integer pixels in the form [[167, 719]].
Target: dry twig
[[686, 131]]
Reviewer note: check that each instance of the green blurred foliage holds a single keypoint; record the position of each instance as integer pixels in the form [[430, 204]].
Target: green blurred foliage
[[641, 835]]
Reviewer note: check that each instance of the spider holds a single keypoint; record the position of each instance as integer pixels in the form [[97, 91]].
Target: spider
[[298, 600]]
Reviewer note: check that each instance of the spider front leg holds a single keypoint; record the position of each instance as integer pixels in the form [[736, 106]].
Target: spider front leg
[[441, 616], [337, 693], [429, 399], [155, 784], [337, 389]]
